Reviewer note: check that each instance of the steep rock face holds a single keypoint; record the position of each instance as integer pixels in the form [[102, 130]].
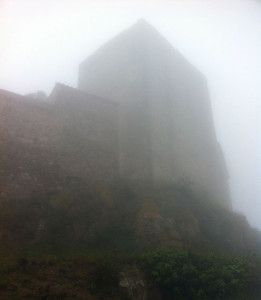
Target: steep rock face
[[166, 130], [123, 218]]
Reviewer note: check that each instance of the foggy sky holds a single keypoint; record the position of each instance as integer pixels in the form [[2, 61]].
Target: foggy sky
[[43, 41]]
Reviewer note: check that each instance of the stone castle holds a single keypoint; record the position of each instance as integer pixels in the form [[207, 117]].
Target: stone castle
[[141, 112]]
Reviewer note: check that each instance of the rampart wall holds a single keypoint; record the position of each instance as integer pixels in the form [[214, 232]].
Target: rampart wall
[[44, 145]]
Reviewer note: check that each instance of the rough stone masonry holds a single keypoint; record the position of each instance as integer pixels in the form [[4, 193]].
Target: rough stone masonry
[[166, 130], [142, 113]]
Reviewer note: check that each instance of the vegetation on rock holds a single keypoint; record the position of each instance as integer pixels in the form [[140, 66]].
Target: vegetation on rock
[[182, 275], [79, 242]]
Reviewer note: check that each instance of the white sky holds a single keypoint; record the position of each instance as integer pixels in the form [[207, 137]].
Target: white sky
[[43, 41]]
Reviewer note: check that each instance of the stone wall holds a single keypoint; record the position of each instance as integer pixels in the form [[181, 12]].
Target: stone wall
[[160, 130], [166, 125], [90, 133], [45, 145], [29, 158]]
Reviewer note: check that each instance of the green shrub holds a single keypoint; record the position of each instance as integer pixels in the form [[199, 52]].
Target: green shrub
[[182, 275]]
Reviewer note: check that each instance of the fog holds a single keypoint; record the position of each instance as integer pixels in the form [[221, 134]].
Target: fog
[[43, 42]]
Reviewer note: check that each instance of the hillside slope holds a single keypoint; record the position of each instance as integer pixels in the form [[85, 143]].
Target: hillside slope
[[125, 216]]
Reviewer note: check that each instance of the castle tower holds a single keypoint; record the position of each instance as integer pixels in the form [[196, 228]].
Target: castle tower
[[166, 130]]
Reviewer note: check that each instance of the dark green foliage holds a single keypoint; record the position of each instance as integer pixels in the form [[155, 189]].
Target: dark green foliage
[[95, 275], [182, 275], [82, 276], [104, 279]]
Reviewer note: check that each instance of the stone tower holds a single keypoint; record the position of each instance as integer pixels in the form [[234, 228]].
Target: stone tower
[[166, 130]]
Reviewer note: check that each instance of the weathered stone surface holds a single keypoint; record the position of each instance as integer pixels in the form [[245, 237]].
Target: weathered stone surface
[[132, 280], [153, 229], [158, 130], [44, 146], [166, 129]]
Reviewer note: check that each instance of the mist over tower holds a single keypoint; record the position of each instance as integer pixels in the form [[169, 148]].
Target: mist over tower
[[166, 129]]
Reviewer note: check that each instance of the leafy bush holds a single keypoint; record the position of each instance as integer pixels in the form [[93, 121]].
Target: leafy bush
[[193, 276]]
